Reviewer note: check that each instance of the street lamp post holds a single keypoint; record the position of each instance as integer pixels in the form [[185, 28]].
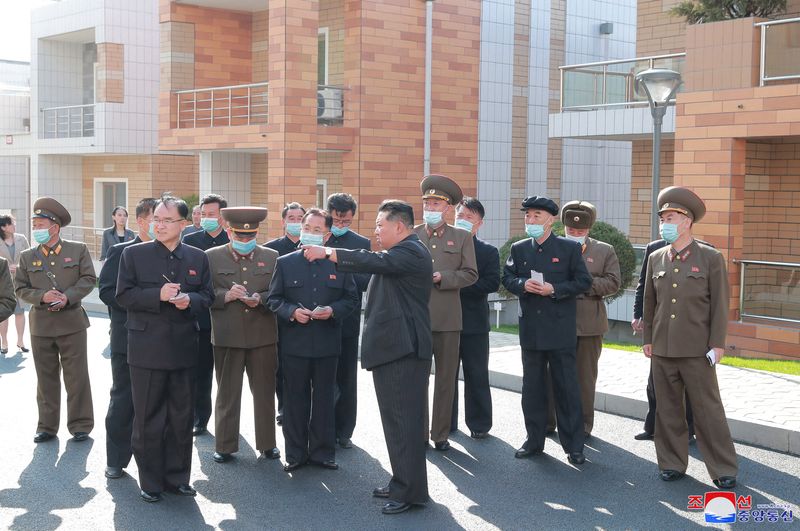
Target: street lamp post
[[660, 85]]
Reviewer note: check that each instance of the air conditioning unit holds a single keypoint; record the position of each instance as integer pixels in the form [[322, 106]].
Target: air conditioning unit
[[329, 103]]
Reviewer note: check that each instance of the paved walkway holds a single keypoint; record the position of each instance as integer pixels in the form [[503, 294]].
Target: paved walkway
[[762, 407]]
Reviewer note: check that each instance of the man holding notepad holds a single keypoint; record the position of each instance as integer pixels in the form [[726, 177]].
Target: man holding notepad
[[547, 272]]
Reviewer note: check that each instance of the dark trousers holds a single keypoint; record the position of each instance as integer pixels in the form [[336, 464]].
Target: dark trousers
[[473, 353], [203, 379], [162, 426], [119, 419], [650, 419], [401, 387], [347, 388], [567, 397], [308, 418], [279, 381]]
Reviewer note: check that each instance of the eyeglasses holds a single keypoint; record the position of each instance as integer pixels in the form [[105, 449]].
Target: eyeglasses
[[342, 222], [167, 221]]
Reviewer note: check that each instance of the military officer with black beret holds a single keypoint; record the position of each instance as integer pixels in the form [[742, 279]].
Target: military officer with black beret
[[592, 320], [54, 277], [244, 332], [547, 272], [454, 267], [685, 315]]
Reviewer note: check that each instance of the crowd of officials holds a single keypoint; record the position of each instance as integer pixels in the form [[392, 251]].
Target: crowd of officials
[[190, 303]]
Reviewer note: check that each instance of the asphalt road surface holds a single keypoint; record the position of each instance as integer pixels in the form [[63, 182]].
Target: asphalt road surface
[[476, 485]]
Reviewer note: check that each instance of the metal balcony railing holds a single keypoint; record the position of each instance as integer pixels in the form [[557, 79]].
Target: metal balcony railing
[[91, 236], [68, 121], [769, 290], [223, 106], [609, 84], [780, 50]]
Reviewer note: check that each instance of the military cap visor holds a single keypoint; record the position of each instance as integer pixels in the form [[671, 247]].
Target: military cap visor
[[682, 200], [441, 187], [536, 202], [49, 208], [244, 220]]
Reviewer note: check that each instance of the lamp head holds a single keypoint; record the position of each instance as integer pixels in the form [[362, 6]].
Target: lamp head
[[659, 84]]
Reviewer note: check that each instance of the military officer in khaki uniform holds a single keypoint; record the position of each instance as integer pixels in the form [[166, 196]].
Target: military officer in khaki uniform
[[592, 320], [454, 267], [685, 315], [7, 300], [244, 332], [54, 276]]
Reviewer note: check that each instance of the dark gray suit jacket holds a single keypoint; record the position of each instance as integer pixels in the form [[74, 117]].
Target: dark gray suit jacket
[[396, 320]]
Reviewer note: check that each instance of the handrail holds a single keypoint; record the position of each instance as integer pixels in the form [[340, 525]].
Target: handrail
[[62, 107], [742, 282], [622, 61], [238, 105], [67, 121], [777, 22], [226, 87]]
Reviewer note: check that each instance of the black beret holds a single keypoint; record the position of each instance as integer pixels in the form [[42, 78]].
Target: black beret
[[540, 203]]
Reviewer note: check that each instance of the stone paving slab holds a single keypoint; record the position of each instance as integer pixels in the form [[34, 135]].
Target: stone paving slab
[[762, 407]]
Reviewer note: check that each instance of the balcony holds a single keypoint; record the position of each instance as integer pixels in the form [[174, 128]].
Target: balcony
[[67, 121], [607, 89], [780, 50], [236, 105]]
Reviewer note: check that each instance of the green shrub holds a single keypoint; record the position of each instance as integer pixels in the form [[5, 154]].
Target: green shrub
[[702, 11], [601, 231]]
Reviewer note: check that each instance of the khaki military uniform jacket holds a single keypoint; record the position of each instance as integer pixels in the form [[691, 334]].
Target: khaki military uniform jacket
[[453, 254], [7, 300], [685, 301], [234, 325], [602, 263], [71, 272]]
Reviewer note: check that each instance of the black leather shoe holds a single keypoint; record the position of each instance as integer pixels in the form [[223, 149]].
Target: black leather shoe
[[3, 351], [644, 436], [345, 442], [479, 434], [381, 492], [80, 436], [271, 454], [442, 446], [150, 497], [183, 490], [330, 464], [525, 452], [20, 349], [549, 431], [395, 507], [114, 472], [221, 457], [576, 458], [671, 475], [42, 436], [291, 466], [725, 482], [199, 430]]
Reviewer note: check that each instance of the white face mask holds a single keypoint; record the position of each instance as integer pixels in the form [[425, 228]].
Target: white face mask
[[579, 239]]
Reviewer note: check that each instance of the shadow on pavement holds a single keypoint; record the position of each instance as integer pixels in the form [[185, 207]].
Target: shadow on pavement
[[50, 484], [11, 364]]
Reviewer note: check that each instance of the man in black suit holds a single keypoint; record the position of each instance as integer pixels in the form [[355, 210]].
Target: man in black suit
[[396, 308], [342, 208], [291, 219], [119, 419], [165, 286], [212, 235], [638, 327], [312, 301], [546, 272], [474, 345]]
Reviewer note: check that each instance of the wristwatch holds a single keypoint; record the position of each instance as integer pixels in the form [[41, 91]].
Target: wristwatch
[[328, 252]]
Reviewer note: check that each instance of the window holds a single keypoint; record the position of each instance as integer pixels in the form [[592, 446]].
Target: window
[[322, 192], [108, 193], [322, 56]]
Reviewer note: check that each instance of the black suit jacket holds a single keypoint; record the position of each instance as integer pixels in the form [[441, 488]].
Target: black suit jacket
[[397, 320], [474, 298], [107, 283], [203, 241], [547, 323], [160, 336], [283, 245], [353, 241], [637, 302], [297, 281]]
